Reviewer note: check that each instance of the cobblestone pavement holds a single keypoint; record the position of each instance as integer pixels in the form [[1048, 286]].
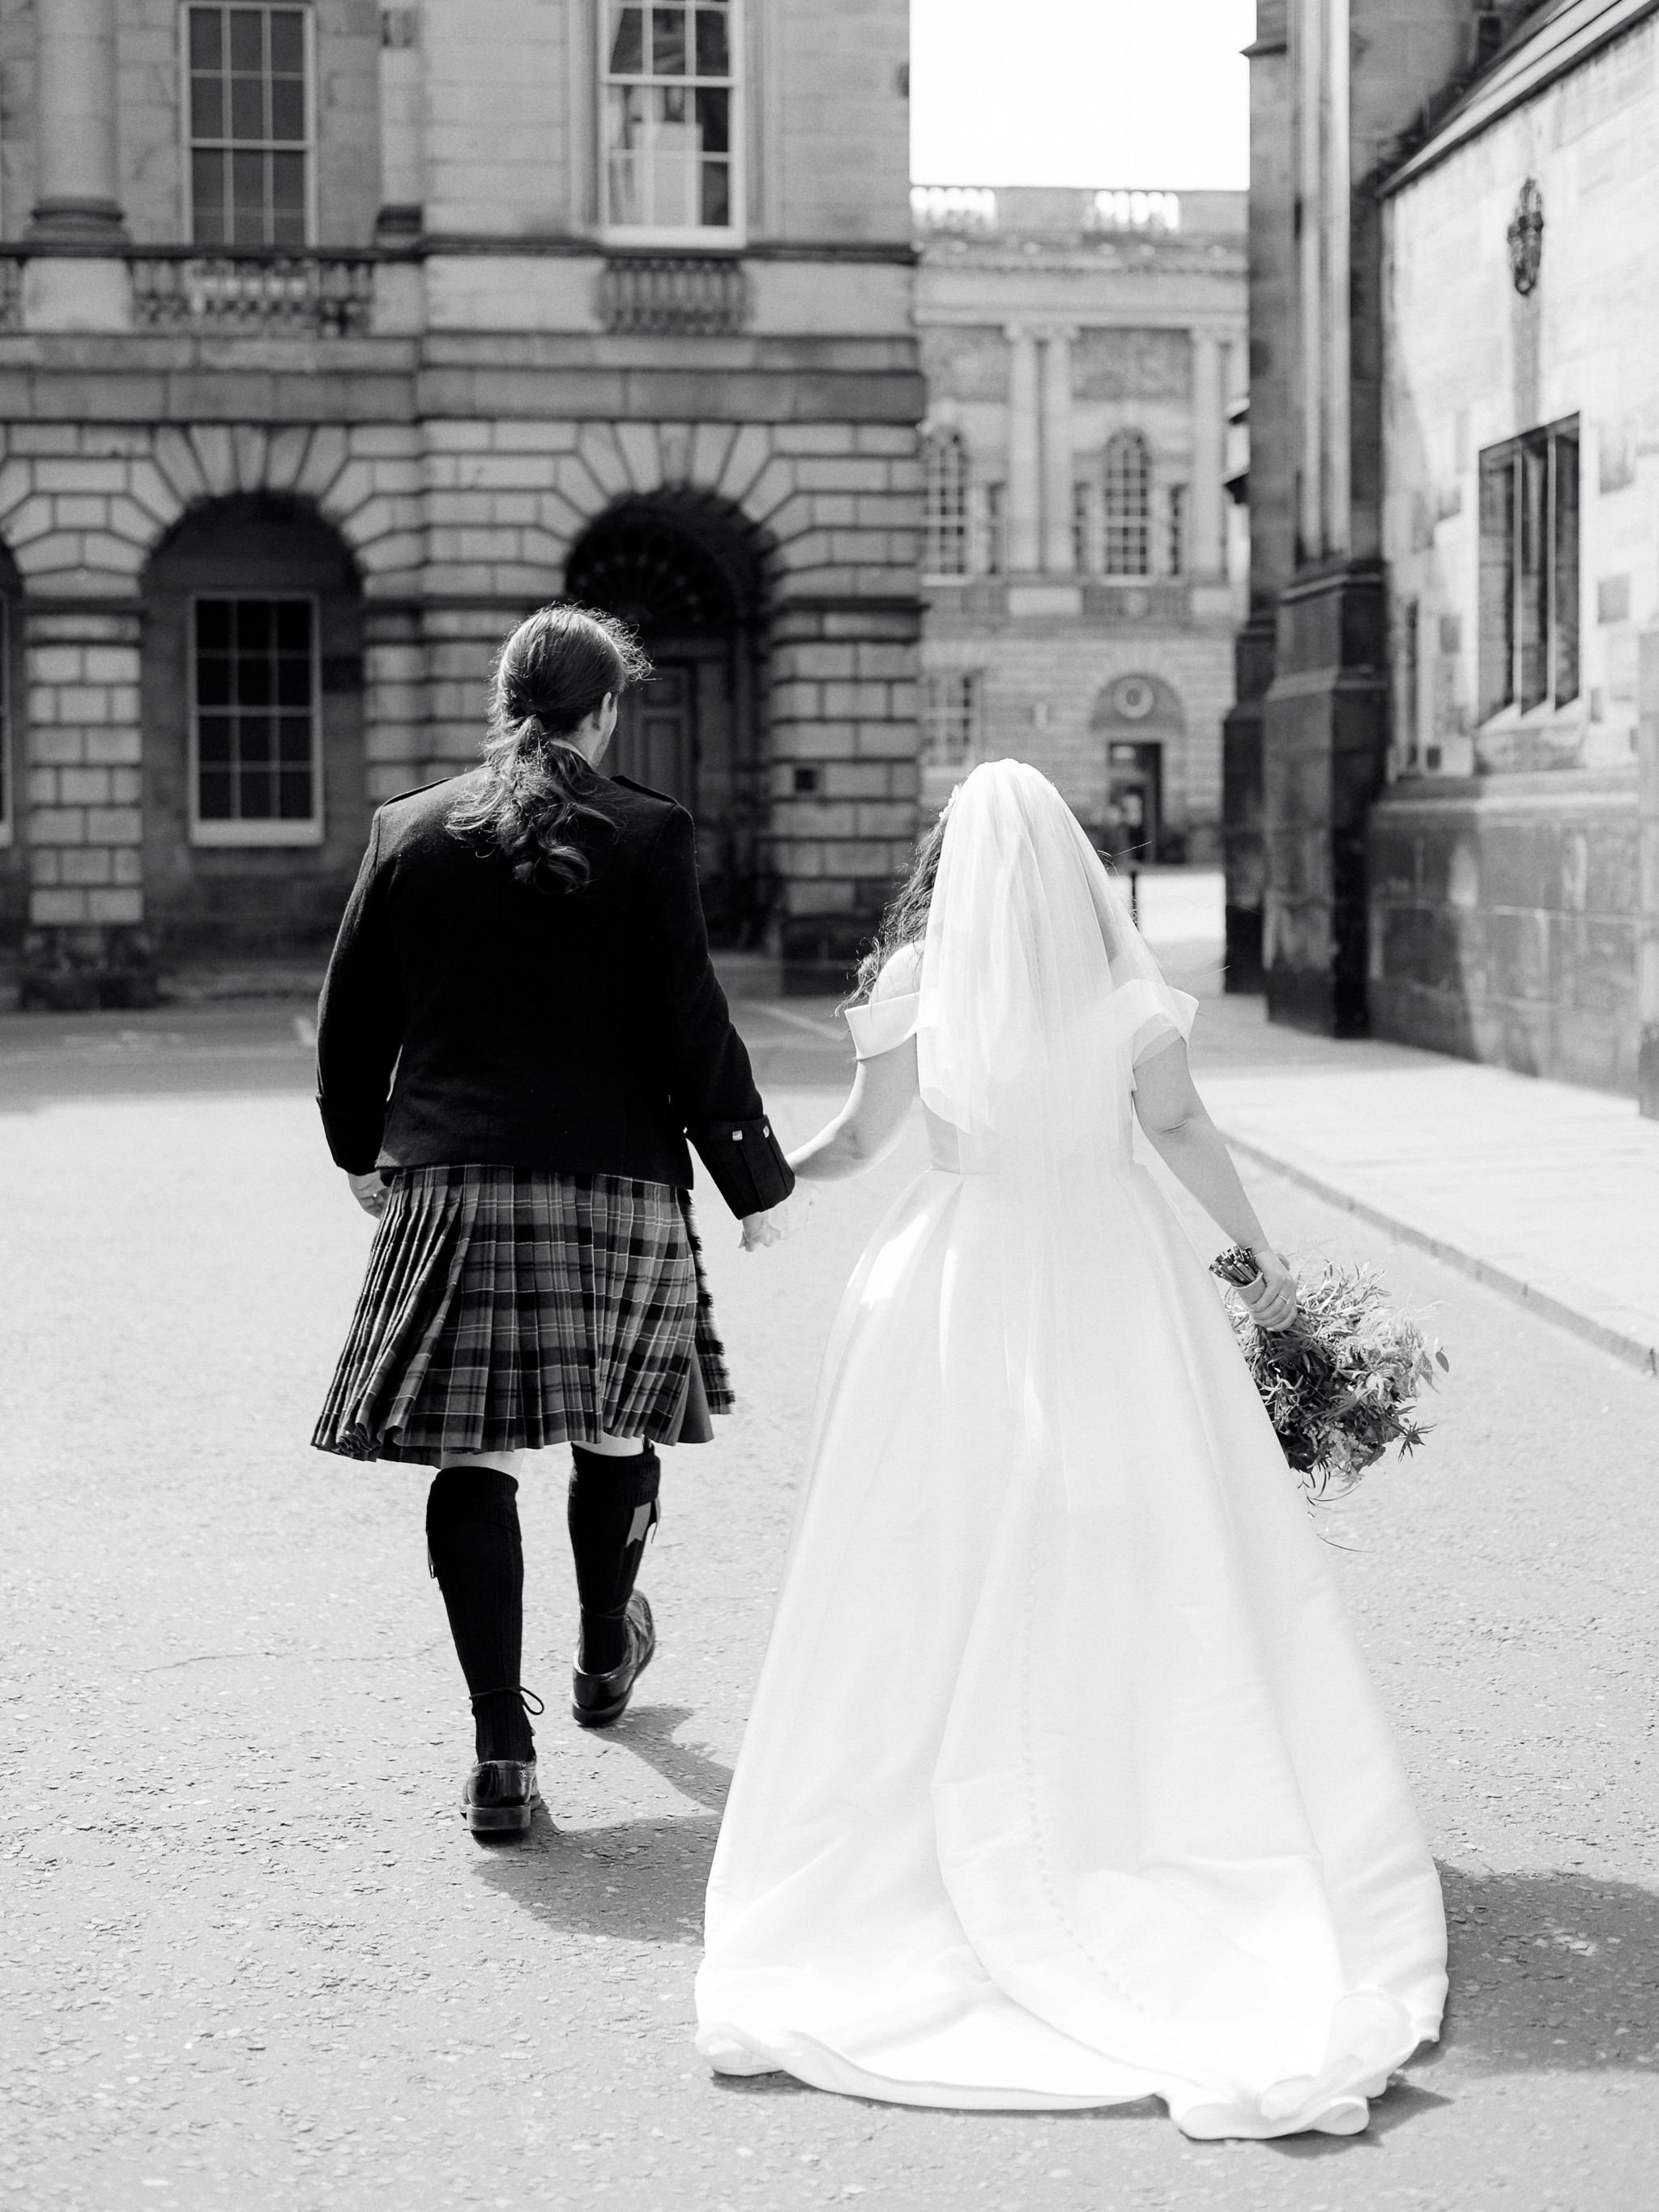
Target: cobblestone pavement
[[251, 1958]]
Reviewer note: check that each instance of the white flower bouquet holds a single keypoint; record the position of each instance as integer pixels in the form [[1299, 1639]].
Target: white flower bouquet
[[1341, 1384]]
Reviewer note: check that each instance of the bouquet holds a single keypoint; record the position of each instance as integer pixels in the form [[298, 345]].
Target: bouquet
[[1341, 1384]]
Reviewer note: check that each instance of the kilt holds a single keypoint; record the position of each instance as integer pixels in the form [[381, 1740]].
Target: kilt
[[509, 1307]]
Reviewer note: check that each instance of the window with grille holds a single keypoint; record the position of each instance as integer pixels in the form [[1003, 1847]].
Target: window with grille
[[951, 718], [1176, 546], [670, 116], [250, 124], [254, 709], [945, 512], [1529, 571], [1128, 505]]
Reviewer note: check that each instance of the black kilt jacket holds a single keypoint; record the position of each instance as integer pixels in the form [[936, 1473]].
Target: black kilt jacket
[[467, 1018]]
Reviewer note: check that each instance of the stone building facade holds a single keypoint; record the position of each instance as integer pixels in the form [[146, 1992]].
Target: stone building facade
[[335, 336], [1520, 534], [1435, 763], [1081, 350]]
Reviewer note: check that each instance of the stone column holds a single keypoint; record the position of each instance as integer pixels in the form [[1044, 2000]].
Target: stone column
[[1207, 559], [85, 945], [79, 190], [1058, 555], [1024, 490], [1647, 894]]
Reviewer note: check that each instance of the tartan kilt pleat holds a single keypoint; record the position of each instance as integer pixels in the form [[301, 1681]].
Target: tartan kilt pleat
[[510, 1308]]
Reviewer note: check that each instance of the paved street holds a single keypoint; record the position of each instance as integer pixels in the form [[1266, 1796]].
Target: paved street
[[253, 1960]]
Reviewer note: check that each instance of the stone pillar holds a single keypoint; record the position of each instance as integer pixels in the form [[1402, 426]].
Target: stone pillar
[[79, 188], [85, 943], [1647, 896], [403, 125], [397, 690], [841, 741], [1324, 740], [1058, 557], [1023, 523], [1207, 559]]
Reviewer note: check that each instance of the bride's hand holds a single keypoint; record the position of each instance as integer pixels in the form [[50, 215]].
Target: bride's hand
[[778, 1222], [1276, 1308], [760, 1229]]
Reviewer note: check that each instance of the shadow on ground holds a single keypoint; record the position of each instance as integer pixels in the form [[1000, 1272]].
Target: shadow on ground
[[640, 1879]]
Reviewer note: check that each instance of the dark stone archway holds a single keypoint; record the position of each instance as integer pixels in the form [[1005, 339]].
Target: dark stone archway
[[686, 573], [255, 799]]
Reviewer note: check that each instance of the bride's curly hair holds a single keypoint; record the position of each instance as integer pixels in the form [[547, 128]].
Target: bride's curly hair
[[557, 667], [905, 922]]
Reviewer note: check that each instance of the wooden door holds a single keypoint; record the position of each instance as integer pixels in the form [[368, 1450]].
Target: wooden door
[[656, 735]]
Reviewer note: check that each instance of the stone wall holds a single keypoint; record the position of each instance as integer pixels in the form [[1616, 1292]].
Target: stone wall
[[1510, 899], [1042, 685], [456, 526], [1505, 921]]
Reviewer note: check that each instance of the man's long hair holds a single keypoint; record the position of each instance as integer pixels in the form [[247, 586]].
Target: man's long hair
[[556, 669]]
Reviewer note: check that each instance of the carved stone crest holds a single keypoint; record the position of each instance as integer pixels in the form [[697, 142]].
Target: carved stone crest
[[1526, 237]]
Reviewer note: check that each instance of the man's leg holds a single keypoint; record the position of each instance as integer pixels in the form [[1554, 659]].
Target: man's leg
[[612, 1512], [477, 1553]]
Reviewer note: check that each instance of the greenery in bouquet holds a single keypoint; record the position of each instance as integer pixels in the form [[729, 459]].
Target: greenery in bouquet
[[1341, 1384]]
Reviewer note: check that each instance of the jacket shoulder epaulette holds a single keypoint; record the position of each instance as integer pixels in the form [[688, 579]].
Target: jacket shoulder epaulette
[[627, 783], [415, 790]]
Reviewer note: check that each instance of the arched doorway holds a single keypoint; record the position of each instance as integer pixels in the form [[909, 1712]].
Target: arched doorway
[[255, 796], [1139, 724], [683, 572]]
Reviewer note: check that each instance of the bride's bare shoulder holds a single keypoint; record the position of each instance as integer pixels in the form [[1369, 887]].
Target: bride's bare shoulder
[[901, 974]]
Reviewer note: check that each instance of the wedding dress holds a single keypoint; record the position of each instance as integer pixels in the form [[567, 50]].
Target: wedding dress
[[1064, 1783]]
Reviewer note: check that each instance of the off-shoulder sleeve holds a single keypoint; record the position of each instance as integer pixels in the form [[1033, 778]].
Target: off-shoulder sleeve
[[1147, 1015], [895, 1002]]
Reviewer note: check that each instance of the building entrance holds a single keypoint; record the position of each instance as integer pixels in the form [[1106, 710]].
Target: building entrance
[[1132, 821], [682, 573], [656, 739]]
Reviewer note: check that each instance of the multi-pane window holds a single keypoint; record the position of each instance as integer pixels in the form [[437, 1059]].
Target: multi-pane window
[[944, 510], [668, 94], [256, 731], [950, 706], [1127, 484], [1529, 571], [1176, 542], [249, 125]]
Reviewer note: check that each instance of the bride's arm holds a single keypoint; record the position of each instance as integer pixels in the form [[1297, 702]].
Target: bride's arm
[[867, 1126], [1181, 1133]]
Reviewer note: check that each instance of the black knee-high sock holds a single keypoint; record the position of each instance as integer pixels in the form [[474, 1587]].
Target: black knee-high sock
[[472, 1535], [612, 1509]]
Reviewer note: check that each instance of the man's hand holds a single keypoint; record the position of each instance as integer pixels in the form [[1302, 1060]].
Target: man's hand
[[370, 1194]]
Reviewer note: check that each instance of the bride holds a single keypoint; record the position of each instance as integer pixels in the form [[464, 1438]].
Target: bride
[[1064, 1783]]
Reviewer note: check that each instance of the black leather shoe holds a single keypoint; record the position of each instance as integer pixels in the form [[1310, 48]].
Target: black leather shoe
[[596, 1700], [499, 1797]]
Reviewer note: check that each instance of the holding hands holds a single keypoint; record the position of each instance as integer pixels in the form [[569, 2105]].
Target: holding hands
[[777, 1222]]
